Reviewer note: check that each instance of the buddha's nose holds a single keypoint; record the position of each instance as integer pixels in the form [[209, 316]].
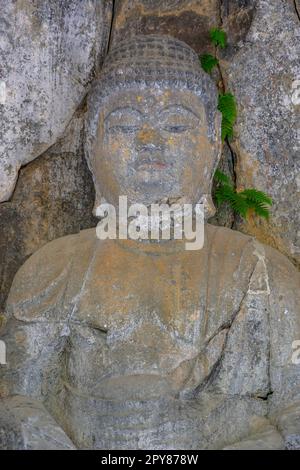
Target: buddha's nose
[[149, 138]]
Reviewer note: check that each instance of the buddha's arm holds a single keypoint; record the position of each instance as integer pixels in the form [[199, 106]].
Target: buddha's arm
[[33, 351], [265, 436], [284, 340], [26, 424], [34, 338], [282, 428]]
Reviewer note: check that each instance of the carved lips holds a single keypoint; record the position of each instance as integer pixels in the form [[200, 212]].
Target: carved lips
[[152, 165]]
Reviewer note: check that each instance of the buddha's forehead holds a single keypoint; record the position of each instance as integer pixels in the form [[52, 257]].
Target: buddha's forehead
[[154, 100]]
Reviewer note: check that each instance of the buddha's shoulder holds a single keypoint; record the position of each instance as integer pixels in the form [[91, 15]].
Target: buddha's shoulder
[[44, 276], [225, 243], [58, 252], [223, 239]]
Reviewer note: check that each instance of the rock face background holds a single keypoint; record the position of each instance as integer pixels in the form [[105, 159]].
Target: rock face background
[[187, 20], [50, 52], [54, 196], [263, 72]]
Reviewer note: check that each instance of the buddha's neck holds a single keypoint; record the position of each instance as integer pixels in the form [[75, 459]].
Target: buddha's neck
[[155, 247]]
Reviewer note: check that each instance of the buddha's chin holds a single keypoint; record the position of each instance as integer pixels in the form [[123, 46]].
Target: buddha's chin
[[156, 191]]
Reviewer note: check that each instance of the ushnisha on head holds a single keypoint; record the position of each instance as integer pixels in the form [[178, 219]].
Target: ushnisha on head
[[153, 129]]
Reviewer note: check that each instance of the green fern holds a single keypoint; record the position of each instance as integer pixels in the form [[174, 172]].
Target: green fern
[[253, 195], [226, 193], [257, 201], [220, 177], [241, 202], [218, 37], [208, 62], [249, 200], [227, 106]]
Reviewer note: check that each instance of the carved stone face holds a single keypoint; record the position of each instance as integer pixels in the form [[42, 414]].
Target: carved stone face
[[152, 145]]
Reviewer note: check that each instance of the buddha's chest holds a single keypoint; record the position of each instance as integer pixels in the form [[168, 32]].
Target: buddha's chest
[[144, 317], [160, 323], [136, 298]]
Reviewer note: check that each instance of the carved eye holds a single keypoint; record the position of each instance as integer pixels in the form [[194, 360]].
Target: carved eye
[[176, 129], [124, 121], [178, 122], [124, 128]]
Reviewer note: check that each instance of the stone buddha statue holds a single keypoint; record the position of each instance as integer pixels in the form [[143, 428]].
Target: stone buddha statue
[[130, 344]]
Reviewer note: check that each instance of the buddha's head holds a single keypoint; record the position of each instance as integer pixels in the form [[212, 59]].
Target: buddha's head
[[153, 129]]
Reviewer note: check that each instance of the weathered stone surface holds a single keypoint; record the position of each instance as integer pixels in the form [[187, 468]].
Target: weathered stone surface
[[142, 81], [120, 364], [187, 20], [54, 196], [236, 17], [265, 437], [26, 425], [139, 344], [263, 73], [49, 54], [260, 65], [288, 426]]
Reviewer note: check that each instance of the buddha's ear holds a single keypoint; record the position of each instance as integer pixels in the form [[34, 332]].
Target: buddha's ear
[[98, 196], [206, 199]]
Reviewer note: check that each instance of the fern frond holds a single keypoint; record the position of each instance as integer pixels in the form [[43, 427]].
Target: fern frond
[[224, 193], [218, 37], [239, 205], [262, 210], [227, 106], [208, 62], [220, 177], [226, 129], [227, 194], [244, 201], [253, 195]]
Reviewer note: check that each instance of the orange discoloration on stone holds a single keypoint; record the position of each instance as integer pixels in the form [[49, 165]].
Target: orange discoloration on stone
[[164, 282], [266, 232], [116, 145], [205, 8], [20, 337], [189, 21], [147, 135]]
